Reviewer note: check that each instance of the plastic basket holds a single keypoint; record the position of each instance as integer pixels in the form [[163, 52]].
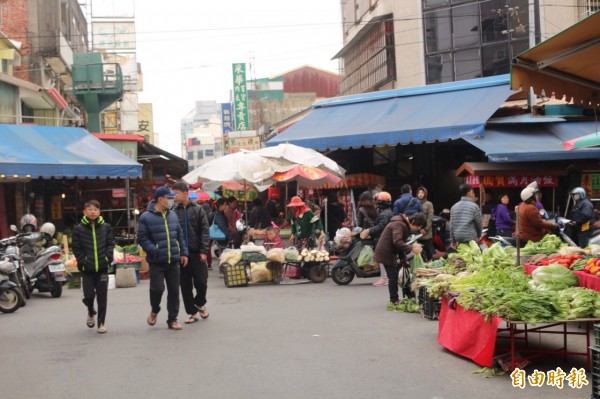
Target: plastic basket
[[235, 275], [595, 381], [597, 334], [428, 305]]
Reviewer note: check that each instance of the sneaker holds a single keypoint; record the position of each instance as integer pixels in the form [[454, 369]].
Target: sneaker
[[90, 322], [102, 329], [381, 282]]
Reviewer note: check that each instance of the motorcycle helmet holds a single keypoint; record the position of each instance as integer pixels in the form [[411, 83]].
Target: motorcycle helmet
[[48, 228], [580, 191], [527, 193], [28, 223], [384, 200]]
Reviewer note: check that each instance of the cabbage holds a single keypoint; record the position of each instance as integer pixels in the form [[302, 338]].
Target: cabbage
[[553, 278]]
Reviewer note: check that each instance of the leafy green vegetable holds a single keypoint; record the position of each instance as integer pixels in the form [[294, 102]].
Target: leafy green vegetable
[[548, 245]]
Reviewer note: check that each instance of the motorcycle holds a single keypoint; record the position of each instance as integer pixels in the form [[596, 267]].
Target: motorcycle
[[44, 268], [11, 296], [10, 252], [346, 267]]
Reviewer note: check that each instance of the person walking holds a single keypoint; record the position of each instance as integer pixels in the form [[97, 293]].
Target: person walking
[[501, 214], [194, 275], [465, 217], [427, 231], [384, 206], [220, 220], [93, 246], [582, 217], [406, 203], [259, 215], [161, 237], [392, 244]]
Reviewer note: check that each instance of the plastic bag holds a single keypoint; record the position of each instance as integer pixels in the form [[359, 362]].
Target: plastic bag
[[230, 256], [365, 257], [259, 273], [276, 255], [291, 254], [252, 247]]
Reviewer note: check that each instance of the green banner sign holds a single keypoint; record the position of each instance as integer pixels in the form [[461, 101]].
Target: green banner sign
[[240, 97]]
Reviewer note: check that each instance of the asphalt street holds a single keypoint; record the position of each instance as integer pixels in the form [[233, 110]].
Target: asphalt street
[[268, 341]]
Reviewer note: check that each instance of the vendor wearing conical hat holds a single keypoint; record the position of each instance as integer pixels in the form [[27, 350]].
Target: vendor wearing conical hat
[[307, 228]]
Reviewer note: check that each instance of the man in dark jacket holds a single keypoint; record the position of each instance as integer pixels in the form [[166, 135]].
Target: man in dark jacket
[[392, 243], [161, 237], [93, 247], [406, 203], [582, 217], [194, 225]]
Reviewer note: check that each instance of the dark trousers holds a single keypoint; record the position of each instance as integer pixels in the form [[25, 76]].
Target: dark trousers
[[159, 273], [583, 238], [427, 248], [392, 272], [194, 275], [95, 286]]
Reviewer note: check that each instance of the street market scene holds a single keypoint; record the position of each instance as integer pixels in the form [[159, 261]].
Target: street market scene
[[412, 210]]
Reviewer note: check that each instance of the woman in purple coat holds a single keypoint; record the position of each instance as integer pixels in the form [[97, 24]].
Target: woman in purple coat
[[504, 223]]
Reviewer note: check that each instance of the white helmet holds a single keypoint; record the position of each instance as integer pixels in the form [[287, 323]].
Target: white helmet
[[580, 191], [28, 223], [534, 185], [527, 193], [48, 228]]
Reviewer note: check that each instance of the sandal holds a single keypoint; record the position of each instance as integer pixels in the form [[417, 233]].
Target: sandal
[[192, 319], [151, 319], [175, 326], [203, 312], [90, 321]]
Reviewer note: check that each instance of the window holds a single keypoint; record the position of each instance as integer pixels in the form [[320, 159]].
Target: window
[[190, 156], [200, 154], [588, 7], [209, 153], [465, 25], [438, 32]]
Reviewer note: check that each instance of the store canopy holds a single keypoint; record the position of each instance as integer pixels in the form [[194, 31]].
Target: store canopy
[[534, 142], [53, 151], [566, 64], [439, 112]]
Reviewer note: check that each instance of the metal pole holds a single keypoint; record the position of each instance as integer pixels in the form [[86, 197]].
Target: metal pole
[[128, 205], [517, 239]]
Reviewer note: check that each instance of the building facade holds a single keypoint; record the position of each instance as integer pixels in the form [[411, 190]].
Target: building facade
[[403, 43]]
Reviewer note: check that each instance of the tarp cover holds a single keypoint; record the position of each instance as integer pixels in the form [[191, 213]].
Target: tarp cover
[[439, 112], [534, 142], [53, 151]]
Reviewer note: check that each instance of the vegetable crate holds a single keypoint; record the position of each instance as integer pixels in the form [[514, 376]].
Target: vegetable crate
[[429, 306], [595, 352], [597, 334], [235, 275]]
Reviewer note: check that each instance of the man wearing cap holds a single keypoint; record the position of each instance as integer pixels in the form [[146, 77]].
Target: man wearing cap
[[161, 237], [305, 225]]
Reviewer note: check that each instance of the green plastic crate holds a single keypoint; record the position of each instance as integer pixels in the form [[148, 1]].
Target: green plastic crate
[[235, 275]]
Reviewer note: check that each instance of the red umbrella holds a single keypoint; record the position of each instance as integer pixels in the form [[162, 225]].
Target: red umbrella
[[202, 196], [307, 176]]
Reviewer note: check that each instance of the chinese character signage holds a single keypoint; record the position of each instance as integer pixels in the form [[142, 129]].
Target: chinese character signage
[[238, 143], [226, 119], [240, 97], [511, 181]]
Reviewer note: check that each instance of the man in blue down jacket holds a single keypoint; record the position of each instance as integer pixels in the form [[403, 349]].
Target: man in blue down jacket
[[161, 237]]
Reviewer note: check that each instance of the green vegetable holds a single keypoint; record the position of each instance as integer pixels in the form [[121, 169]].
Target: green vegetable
[[553, 277], [408, 305], [548, 245]]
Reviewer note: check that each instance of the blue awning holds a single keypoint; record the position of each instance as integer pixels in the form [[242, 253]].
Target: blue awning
[[53, 151], [534, 142], [440, 112]]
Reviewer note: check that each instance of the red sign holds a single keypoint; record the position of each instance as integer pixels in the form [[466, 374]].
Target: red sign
[[511, 181], [118, 193]]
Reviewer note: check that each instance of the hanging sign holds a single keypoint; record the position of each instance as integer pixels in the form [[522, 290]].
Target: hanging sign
[[118, 193], [511, 181]]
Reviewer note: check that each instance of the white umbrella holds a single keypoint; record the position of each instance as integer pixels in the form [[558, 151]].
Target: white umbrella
[[244, 167], [301, 156]]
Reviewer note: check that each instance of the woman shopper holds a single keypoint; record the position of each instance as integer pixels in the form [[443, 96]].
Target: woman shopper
[[501, 213], [366, 217], [220, 220]]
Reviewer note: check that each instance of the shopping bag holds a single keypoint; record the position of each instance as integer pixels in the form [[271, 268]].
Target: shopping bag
[[216, 233], [365, 257]]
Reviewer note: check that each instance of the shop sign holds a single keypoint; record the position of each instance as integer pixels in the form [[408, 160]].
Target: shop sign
[[511, 181], [240, 97], [591, 183], [118, 193], [226, 118], [242, 195]]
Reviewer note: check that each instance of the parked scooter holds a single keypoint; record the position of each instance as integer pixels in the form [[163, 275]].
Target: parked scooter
[[43, 266], [11, 296], [346, 267], [9, 251]]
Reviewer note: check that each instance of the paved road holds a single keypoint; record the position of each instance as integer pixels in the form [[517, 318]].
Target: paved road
[[301, 341]]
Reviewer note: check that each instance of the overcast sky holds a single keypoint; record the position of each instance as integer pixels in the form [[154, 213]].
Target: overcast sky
[[186, 48]]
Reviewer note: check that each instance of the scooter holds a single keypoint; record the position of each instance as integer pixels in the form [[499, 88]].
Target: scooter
[[10, 252], [44, 267], [11, 296], [346, 267]]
